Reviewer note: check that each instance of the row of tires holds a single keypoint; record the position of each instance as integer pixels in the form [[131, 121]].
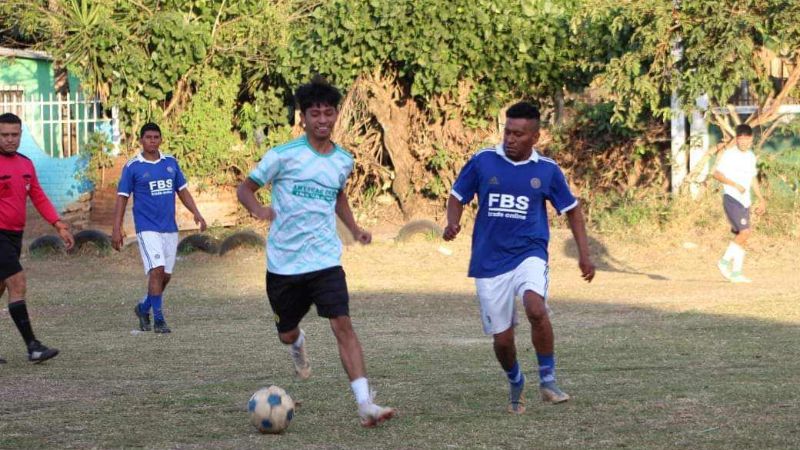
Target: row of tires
[[102, 241], [212, 245]]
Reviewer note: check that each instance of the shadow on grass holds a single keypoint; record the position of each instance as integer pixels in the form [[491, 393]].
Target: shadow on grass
[[604, 260], [640, 377]]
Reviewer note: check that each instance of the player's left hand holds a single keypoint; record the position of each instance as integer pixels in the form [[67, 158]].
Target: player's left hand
[[66, 235], [761, 208], [198, 219], [362, 236], [587, 269]]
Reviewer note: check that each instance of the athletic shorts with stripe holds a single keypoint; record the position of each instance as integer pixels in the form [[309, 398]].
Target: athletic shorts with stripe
[[157, 250], [497, 295]]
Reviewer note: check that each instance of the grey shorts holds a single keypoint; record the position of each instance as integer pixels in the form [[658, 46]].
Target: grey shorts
[[737, 214]]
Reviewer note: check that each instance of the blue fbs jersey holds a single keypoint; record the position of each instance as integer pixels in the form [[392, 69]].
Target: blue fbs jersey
[[512, 217], [153, 185]]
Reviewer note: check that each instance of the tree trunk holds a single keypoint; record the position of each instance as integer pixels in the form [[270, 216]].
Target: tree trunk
[[395, 120]]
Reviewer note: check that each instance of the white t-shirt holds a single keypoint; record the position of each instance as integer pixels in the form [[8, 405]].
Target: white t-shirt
[[739, 167]]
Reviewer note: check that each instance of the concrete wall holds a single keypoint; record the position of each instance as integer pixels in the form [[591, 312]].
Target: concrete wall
[[56, 175]]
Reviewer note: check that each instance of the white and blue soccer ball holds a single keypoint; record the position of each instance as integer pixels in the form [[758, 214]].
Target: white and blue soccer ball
[[271, 410]]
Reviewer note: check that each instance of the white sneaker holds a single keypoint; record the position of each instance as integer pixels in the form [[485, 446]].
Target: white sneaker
[[739, 278], [724, 268], [302, 367], [552, 394], [373, 415]]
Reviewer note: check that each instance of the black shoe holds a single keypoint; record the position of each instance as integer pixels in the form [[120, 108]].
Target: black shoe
[[161, 327], [39, 353], [144, 318], [2, 361]]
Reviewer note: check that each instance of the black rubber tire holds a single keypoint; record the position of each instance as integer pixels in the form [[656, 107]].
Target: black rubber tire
[[203, 242], [101, 240], [243, 238], [47, 244], [416, 227]]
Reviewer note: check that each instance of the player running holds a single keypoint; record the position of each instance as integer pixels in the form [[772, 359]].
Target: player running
[[18, 181], [737, 172], [153, 178], [509, 243], [308, 176]]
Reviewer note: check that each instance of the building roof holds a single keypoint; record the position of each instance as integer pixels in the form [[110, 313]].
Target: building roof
[[24, 53]]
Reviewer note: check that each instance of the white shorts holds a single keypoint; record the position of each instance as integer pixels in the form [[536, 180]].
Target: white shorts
[[497, 295], [157, 250]]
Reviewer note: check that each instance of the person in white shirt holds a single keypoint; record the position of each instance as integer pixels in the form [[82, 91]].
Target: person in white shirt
[[737, 171]]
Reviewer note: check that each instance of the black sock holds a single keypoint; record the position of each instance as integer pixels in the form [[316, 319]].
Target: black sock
[[19, 313]]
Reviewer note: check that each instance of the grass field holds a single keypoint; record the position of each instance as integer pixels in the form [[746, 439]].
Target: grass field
[[658, 352]]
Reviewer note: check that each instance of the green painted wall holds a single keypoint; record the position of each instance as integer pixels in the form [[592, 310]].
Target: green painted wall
[[33, 75]]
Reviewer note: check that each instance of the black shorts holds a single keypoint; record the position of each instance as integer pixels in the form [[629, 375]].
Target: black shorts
[[10, 250], [737, 214], [291, 296]]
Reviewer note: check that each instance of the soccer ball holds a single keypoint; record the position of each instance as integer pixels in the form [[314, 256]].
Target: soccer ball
[[271, 409]]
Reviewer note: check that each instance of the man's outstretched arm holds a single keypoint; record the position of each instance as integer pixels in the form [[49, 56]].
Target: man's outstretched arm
[[578, 227]]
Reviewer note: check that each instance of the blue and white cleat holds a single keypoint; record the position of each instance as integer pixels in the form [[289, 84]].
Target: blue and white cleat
[[552, 394], [516, 397]]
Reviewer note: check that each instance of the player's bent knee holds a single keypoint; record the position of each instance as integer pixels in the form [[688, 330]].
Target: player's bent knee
[[16, 285], [289, 337], [157, 272], [535, 307], [504, 338], [342, 327]]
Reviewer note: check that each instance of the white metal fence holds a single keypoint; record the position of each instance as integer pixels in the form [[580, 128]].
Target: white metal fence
[[62, 124]]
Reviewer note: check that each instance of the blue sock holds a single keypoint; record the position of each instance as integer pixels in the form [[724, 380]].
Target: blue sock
[[514, 375], [145, 304], [547, 368], [155, 300]]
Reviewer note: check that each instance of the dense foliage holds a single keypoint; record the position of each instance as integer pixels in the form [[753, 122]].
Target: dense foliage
[[425, 78]]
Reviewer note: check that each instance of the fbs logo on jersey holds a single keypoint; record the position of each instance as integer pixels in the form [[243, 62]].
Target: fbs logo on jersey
[[160, 187], [508, 206]]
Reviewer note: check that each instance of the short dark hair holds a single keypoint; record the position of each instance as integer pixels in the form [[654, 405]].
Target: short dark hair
[[523, 110], [10, 118], [317, 92], [149, 126], [744, 130]]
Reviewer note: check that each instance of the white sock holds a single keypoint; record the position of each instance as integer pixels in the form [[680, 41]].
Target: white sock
[[738, 260], [360, 388], [730, 251], [298, 344]]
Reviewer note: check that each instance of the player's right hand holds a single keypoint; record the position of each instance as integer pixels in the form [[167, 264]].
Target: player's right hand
[[740, 188], [587, 269], [117, 236], [451, 231], [264, 213]]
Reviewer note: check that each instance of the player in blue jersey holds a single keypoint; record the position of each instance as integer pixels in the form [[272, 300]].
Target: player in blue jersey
[[308, 177], [509, 243], [153, 179]]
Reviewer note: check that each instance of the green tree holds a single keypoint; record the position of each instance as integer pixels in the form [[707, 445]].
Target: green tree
[[149, 57], [723, 42]]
